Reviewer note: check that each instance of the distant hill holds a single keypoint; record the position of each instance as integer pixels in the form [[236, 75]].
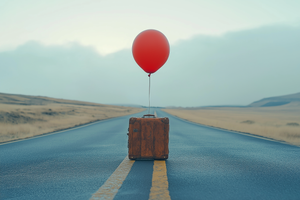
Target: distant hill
[[18, 99], [128, 105], [277, 101]]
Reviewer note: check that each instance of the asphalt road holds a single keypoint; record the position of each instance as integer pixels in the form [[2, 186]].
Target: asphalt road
[[204, 163]]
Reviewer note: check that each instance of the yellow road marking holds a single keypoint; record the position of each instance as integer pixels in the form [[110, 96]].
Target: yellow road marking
[[111, 187], [160, 185]]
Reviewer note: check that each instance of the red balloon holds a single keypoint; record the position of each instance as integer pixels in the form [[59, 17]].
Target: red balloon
[[150, 50]]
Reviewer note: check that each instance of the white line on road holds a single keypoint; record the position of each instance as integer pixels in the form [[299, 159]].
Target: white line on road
[[55, 132], [233, 131]]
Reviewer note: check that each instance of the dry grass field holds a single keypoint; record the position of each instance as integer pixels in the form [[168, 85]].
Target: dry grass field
[[278, 122], [26, 116]]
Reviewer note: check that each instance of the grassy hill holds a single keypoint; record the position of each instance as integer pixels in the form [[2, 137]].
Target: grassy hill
[[293, 99], [17, 99]]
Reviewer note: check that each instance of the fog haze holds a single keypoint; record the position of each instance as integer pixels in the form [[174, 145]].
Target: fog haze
[[111, 26], [236, 68]]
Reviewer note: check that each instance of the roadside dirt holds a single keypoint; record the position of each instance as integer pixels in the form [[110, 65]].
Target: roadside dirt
[[28, 116]]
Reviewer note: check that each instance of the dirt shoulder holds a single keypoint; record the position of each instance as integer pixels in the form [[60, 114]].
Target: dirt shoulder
[[280, 123]]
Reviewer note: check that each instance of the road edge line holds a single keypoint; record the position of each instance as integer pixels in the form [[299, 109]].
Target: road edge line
[[238, 132], [63, 130], [53, 132]]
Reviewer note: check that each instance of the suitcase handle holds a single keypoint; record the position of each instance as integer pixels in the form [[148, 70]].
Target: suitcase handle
[[149, 115]]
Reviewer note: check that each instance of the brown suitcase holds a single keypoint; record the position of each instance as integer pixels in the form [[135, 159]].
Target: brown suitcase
[[148, 138]]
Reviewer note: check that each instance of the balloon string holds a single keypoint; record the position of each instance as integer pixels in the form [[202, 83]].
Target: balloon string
[[149, 93]]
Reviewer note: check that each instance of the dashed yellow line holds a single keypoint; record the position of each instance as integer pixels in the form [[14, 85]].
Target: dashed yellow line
[[160, 185], [111, 187]]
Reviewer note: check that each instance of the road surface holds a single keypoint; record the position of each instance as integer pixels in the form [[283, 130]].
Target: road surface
[[204, 163]]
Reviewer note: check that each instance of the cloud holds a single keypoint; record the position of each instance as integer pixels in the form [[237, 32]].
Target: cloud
[[71, 71], [236, 68]]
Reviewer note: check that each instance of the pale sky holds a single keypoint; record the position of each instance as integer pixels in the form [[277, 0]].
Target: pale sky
[[111, 25], [222, 52]]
